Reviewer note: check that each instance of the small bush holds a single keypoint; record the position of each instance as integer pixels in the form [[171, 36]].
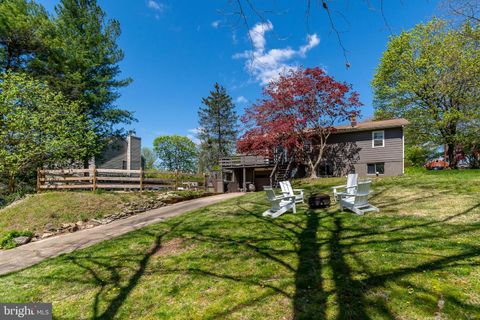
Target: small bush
[[100, 191], [7, 241]]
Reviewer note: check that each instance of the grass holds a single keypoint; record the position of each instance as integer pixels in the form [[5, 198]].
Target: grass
[[55, 208], [419, 258]]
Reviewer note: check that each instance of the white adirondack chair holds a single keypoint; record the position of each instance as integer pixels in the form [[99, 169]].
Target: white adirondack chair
[[287, 190], [280, 204], [358, 201], [349, 188]]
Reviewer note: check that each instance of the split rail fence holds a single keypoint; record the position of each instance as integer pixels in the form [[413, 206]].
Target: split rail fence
[[110, 179]]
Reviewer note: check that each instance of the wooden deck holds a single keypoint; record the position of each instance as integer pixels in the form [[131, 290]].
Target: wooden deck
[[245, 161]]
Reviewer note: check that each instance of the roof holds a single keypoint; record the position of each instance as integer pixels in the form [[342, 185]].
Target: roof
[[373, 125]]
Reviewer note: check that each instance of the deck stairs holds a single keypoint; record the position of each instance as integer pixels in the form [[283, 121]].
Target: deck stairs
[[282, 172]]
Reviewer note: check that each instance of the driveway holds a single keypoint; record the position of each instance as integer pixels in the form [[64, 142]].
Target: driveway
[[35, 252]]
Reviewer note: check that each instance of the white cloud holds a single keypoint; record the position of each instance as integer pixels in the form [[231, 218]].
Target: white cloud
[[194, 135], [195, 130], [241, 100], [215, 24], [156, 5], [193, 138], [267, 65], [312, 41]]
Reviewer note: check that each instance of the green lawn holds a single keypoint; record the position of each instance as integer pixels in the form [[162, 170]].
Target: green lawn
[[56, 208], [417, 259]]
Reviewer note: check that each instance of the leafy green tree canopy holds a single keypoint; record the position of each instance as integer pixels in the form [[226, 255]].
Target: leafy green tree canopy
[[38, 127], [176, 153], [431, 76], [149, 157]]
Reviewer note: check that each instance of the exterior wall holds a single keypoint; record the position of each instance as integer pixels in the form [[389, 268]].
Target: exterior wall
[[122, 154], [352, 151], [114, 155]]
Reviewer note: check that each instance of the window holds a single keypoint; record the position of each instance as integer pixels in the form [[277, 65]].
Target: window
[[378, 139], [374, 168], [325, 170]]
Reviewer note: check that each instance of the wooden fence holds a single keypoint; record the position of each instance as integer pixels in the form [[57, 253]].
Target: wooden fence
[[93, 179]]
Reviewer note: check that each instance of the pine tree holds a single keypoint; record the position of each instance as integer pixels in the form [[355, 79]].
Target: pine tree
[[218, 127], [85, 64], [23, 29]]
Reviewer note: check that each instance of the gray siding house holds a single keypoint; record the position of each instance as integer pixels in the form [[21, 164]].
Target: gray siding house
[[368, 148], [121, 153]]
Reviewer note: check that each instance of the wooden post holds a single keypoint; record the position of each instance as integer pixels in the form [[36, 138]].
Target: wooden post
[[94, 178], [244, 179], [141, 179], [38, 180], [176, 180]]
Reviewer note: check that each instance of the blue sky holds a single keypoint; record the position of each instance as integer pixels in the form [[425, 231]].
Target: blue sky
[[175, 50]]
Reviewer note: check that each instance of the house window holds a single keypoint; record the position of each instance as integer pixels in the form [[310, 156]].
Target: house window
[[325, 170], [374, 168], [378, 139]]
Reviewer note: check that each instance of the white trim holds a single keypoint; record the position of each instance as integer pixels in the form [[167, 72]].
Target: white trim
[[373, 138]]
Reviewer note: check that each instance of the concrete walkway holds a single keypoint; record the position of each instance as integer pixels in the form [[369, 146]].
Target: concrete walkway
[[35, 252]]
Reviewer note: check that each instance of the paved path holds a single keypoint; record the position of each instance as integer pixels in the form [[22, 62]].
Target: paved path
[[35, 252]]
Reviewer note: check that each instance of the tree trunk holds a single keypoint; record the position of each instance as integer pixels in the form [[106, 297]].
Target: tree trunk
[[452, 159], [313, 169], [11, 184]]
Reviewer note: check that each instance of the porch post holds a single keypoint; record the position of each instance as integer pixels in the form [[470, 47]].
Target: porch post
[[244, 180]]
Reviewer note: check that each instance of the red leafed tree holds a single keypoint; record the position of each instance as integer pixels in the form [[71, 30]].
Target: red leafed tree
[[298, 113]]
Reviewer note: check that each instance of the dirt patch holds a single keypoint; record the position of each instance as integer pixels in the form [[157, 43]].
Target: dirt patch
[[172, 247]]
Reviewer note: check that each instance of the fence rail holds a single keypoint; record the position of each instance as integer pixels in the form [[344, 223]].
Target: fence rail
[[96, 178]]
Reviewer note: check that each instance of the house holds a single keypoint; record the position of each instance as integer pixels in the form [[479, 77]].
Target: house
[[368, 148], [121, 153]]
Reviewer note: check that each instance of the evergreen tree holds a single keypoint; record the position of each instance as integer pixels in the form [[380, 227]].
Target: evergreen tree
[[24, 26], [218, 127], [85, 64]]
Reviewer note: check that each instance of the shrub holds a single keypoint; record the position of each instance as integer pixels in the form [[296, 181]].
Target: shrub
[[7, 241]]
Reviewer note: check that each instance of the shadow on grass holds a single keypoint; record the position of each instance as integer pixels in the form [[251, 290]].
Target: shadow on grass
[[320, 253], [309, 301], [114, 277]]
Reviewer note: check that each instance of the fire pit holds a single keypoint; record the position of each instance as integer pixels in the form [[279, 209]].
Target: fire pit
[[319, 200]]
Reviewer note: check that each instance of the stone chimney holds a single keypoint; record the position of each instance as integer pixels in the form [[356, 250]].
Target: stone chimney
[[353, 120]]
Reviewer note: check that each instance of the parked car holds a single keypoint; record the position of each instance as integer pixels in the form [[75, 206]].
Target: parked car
[[436, 165]]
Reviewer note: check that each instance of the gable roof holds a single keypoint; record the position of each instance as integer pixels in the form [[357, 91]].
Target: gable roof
[[373, 125]]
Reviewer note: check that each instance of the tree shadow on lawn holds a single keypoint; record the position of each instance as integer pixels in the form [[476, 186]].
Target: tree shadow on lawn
[[326, 245], [113, 267], [309, 300]]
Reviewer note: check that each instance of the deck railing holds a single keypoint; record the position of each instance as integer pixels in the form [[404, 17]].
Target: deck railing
[[245, 161]]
